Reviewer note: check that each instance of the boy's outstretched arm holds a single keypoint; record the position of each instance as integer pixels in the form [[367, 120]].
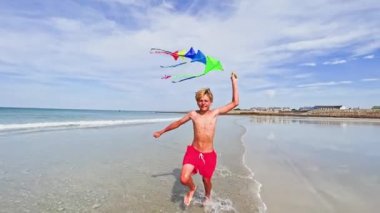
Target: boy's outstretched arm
[[235, 96], [172, 126]]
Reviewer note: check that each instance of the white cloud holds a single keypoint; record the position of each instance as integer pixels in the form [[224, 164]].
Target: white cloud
[[370, 79], [368, 47], [335, 62], [303, 76], [135, 3], [369, 57], [329, 83], [310, 64], [110, 51]]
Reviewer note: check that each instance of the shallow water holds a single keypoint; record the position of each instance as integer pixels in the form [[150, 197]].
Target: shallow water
[[124, 169]]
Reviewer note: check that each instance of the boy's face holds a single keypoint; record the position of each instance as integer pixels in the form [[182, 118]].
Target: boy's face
[[204, 103]]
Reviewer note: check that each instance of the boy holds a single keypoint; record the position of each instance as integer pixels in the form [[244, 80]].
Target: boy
[[200, 155]]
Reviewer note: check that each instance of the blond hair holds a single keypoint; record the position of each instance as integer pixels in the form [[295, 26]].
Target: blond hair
[[203, 92]]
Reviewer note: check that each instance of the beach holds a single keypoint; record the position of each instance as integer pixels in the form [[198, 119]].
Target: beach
[[315, 165], [265, 164]]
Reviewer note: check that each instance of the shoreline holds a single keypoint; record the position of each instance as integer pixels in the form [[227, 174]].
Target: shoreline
[[361, 113], [372, 114]]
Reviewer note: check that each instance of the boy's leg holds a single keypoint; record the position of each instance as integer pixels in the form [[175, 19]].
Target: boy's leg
[[208, 185], [187, 180]]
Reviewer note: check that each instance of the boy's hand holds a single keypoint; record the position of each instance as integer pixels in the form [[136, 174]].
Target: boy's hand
[[233, 75], [157, 134]]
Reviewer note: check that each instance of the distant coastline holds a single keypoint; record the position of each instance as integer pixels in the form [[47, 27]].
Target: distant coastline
[[339, 113], [349, 113]]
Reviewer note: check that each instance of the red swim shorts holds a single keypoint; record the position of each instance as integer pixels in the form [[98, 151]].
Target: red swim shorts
[[205, 163]]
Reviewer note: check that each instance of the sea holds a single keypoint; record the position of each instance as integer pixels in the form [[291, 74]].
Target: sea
[[21, 120]]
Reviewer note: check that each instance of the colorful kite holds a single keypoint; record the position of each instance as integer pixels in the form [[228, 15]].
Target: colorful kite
[[211, 64]]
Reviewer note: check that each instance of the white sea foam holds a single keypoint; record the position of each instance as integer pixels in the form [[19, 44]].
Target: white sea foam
[[219, 205], [223, 171], [262, 206], [77, 124], [215, 205]]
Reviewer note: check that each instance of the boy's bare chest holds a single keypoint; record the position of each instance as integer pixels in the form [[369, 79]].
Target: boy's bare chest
[[204, 121]]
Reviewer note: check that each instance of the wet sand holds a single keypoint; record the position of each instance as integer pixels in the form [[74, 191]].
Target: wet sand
[[304, 165], [315, 165]]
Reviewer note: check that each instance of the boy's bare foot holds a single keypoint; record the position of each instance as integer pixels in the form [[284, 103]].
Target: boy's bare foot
[[206, 201], [189, 196]]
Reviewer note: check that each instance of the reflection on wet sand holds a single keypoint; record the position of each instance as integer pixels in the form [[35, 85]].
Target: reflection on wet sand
[[319, 121]]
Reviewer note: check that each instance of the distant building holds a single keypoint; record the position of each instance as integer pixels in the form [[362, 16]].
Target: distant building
[[270, 109], [274, 109], [286, 109], [329, 107], [258, 109], [306, 108]]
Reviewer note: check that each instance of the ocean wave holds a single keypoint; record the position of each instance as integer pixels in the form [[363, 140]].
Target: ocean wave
[[77, 124]]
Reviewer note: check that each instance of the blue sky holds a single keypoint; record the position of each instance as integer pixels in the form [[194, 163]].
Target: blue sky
[[95, 54]]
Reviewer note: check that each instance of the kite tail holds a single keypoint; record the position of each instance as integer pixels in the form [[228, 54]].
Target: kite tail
[[185, 77], [159, 51], [166, 76], [181, 76], [175, 65]]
